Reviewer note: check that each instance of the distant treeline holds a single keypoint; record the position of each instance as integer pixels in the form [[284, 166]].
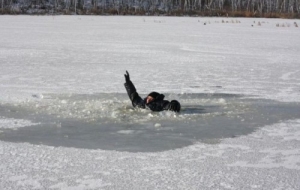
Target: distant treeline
[[237, 8]]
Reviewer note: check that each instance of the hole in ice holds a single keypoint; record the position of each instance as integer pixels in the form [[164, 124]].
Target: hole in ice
[[108, 121]]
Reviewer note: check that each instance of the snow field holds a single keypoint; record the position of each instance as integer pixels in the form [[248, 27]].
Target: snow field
[[43, 55]]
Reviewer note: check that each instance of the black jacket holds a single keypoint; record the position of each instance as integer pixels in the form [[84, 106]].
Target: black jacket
[[158, 104]]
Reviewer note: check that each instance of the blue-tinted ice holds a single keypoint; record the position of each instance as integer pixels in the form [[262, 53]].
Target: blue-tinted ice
[[108, 121]]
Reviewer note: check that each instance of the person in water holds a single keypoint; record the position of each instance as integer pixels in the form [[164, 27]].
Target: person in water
[[154, 101]]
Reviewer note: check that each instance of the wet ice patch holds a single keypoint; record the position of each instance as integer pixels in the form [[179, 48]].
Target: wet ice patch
[[10, 123]]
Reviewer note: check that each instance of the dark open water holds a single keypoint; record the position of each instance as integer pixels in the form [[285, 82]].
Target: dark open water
[[107, 121]]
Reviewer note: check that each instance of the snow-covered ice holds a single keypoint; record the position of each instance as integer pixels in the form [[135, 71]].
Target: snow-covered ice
[[57, 69]]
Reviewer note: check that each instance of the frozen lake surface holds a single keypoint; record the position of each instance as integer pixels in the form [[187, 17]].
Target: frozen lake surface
[[67, 123]]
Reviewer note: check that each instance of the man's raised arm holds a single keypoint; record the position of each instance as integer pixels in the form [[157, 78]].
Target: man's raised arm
[[131, 91]]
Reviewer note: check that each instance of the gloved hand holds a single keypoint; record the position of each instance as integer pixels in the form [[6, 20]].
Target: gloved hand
[[174, 106], [160, 97], [127, 78]]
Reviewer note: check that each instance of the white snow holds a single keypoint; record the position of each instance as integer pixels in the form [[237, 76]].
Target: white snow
[[43, 55]]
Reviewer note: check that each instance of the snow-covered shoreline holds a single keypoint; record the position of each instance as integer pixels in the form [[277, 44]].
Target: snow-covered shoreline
[[88, 55]]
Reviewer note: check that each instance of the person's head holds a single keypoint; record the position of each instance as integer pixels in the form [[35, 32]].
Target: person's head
[[151, 97]]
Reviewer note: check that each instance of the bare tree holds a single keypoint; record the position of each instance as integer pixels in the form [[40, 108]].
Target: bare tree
[[254, 6]]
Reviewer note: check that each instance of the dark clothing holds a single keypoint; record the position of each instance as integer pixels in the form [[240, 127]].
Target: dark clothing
[[158, 104]]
